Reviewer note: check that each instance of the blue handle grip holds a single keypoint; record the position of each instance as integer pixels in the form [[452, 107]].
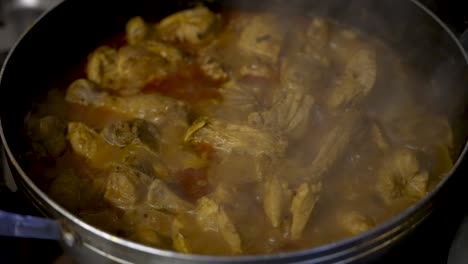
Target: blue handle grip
[[14, 225]]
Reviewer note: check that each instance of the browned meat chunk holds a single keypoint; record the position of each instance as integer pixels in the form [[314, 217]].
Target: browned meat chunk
[[150, 107], [317, 37], [161, 197], [146, 161], [262, 38], [420, 129], [211, 64], [400, 177], [429, 133], [276, 198], [148, 225], [356, 82], [119, 134], [141, 153], [125, 186], [48, 135], [212, 217], [344, 44], [179, 241], [65, 189], [228, 138], [88, 143], [130, 68], [140, 64], [378, 137], [138, 31], [256, 70], [292, 103], [102, 67], [302, 205], [136, 131], [310, 42], [191, 27], [354, 223], [334, 143], [241, 99], [299, 73], [289, 114]]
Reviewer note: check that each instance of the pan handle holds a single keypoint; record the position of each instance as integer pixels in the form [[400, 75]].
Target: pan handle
[[25, 226]]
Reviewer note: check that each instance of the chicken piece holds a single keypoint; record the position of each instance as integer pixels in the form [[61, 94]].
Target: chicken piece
[[420, 130], [139, 64], [334, 143], [294, 78], [170, 54], [148, 226], [262, 38], [225, 194], [153, 108], [191, 27], [120, 134], [212, 217], [317, 37], [400, 178], [66, 190], [146, 161], [378, 137], [48, 136], [179, 241], [144, 215], [228, 138], [256, 70], [356, 82], [161, 197], [138, 31], [136, 131], [85, 141], [276, 197], [291, 171], [125, 186], [236, 169], [309, 42], [354, 223], [211, 68], [89, 144], [344, 44], [241, 99], [148, 236], [130, 68], [102, 67], [139, 154], [289, 114], [209, 60], [303, 203]]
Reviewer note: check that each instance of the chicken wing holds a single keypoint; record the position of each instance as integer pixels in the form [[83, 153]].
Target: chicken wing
[[228, 137], [150, 107]]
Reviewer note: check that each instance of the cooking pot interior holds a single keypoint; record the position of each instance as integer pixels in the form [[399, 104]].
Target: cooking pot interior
[[63, 38]]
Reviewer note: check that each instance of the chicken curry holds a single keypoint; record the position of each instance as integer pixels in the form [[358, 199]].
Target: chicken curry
[[232, 134]]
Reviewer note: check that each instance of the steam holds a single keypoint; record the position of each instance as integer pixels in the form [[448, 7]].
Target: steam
[[432, 65]]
